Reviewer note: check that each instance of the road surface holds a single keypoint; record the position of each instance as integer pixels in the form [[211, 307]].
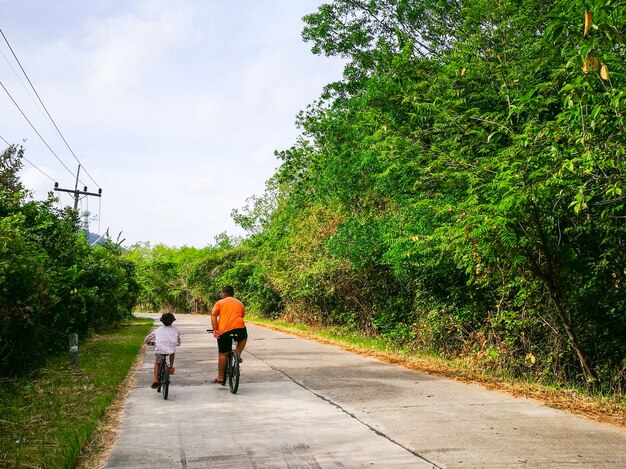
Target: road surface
[[302, 404]]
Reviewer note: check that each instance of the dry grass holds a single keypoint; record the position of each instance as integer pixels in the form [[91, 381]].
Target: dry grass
[[601, 409]]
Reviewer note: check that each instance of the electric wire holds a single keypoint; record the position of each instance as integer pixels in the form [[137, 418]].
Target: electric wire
[[46, 109], [33, 127], [30, 162], [38, 169], [67, 196], [30, 95]]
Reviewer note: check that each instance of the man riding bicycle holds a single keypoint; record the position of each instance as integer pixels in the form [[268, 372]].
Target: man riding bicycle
[[227, 321]]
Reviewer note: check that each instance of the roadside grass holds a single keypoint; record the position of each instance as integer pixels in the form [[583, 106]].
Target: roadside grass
[[48, 418], [609, 409]]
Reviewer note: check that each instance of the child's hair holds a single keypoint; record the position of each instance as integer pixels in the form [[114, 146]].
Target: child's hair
[[167, 319]]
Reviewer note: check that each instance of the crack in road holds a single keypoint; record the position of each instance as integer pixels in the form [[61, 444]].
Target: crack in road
[[183, 457], [345, 411]]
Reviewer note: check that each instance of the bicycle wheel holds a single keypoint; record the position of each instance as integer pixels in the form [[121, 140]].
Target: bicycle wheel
[[166, 381], [233, 376], [160, 376]]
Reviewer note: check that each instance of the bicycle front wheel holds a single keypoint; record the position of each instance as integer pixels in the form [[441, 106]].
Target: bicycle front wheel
[[166, 381], [233, 376]]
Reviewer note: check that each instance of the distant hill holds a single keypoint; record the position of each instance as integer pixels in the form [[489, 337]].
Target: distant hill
[[93, 238]]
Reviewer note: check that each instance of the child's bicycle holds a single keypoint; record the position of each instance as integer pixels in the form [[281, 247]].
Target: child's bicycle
[[163, 375], [231, 372]]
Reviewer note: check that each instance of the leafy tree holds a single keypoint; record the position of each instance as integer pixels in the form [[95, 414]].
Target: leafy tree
[[470, 166], [10, 165]]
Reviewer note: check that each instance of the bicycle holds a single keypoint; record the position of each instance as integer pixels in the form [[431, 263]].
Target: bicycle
[[163, 374], [231, 372]]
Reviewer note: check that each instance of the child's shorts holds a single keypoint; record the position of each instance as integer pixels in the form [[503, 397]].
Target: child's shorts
[[157, 357]]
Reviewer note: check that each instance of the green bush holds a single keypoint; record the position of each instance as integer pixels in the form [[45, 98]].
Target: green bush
[[52, 281]]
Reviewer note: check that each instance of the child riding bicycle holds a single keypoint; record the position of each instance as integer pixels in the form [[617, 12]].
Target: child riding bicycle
[[165, 338]]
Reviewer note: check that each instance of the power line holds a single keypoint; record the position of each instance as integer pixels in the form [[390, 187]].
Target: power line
[[69, 196], [30, 95], [33, 127], [30, 162], [46, 109], [77, 193], [33, 165]]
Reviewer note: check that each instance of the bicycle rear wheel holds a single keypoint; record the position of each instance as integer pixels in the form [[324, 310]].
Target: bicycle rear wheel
[[160, 377], [166, 381], [233, 376]]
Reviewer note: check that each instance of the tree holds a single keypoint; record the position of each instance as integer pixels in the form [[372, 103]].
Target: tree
[[471, 163]]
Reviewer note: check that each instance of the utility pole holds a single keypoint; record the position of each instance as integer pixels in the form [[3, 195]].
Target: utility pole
[[76, 192]]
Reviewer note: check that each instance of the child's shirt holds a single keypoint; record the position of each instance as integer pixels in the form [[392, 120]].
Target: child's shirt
[[165, 339]]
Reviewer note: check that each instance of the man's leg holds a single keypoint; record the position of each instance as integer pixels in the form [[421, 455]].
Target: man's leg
[[240, 346], [172, 369], [221, 366]]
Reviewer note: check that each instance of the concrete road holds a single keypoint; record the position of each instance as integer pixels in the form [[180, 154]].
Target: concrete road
[[306, 405]]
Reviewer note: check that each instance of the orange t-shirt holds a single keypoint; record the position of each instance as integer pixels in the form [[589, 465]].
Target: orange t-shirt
[[230, 313]]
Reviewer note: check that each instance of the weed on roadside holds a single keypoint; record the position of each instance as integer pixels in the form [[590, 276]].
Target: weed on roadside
[[48, 417], [610, 409]]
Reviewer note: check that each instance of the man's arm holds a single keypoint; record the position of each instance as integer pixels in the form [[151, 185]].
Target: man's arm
[[215, 312]]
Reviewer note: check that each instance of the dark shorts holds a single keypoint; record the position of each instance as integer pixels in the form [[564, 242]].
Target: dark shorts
[[225, 341]]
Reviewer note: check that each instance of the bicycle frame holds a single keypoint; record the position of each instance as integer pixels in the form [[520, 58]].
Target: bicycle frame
[[163, 375]]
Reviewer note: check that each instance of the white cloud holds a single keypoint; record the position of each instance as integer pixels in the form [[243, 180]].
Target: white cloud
[[128, 50]]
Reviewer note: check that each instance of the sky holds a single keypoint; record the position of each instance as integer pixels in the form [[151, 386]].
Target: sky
[[174, 107]]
